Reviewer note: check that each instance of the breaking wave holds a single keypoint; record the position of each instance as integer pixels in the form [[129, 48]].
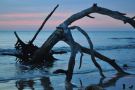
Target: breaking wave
[[130, 46], [7, 51], [128, 38], [113, 47], [67, 49]]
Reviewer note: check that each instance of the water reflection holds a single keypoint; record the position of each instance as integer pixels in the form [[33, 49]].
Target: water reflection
[[46, 84], [30, 84], [104, 84], [22, 84], [29, 70]]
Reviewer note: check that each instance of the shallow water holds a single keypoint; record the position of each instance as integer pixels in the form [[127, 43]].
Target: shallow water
[[119, 45]]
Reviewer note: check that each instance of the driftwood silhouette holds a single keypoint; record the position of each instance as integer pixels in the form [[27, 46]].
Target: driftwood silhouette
[[63, 33], [27, 49]]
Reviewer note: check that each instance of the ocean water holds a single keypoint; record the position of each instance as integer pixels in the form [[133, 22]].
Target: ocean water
[[119, 45]]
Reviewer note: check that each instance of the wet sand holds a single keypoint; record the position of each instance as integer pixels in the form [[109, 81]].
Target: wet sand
[[111, 44], [87, 81]]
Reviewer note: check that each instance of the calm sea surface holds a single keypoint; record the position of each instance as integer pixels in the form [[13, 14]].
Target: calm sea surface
[[119, 45]]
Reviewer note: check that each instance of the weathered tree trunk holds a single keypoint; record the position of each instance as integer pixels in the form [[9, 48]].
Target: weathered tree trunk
[[63, 32], [43, 53]]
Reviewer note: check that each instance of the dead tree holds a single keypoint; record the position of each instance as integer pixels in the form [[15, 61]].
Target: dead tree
[[37, 55], [63, 33]]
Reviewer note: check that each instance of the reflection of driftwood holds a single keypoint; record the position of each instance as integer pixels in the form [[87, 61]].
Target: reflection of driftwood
[[45, 83], [104, 84], [22, 84], [63, 32]]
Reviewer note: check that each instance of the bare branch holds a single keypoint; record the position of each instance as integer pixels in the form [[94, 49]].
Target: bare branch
[[100, 10], [81, 60], [46, 19], [104, 58], [91, 47], [71, 65], [90, 16], [18, 38]]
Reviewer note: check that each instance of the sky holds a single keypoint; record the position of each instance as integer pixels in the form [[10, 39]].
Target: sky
[[29, 14]]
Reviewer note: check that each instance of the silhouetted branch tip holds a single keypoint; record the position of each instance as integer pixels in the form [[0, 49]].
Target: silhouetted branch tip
[[90, 16], [133, 18], [95, 5], [42, 25]]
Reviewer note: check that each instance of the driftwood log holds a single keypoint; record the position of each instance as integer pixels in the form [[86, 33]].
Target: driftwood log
[[63, 32], [26, 50]]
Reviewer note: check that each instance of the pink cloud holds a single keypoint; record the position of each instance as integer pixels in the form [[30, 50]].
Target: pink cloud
[[35, 19], [27, 24], [100, 21], [30, 19], [20, 22], [33, 15], [21, 15]]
